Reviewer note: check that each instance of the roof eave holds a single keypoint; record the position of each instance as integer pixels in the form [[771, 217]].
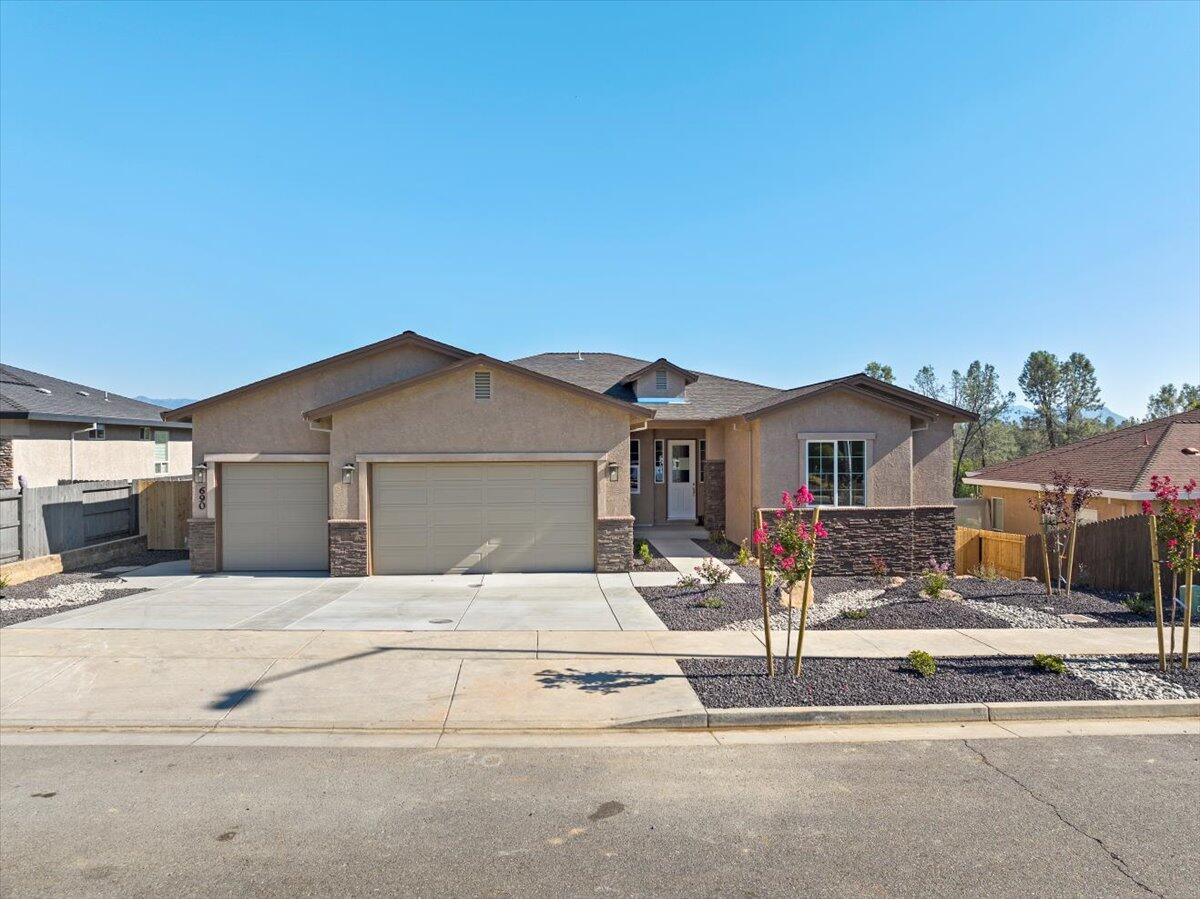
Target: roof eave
[[99, 419]]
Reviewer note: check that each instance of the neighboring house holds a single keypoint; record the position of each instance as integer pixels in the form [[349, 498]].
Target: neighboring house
[[53, 430], [411, 456], [1118, 463]]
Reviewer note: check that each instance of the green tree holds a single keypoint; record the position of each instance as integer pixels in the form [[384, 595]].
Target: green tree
[[1041, 382], [976, 391], [880, 372], [1079, 393], [925, 381], [1168, 401]]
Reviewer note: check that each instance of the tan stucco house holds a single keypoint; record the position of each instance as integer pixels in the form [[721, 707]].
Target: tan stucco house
[[412, 456], [53, 430]]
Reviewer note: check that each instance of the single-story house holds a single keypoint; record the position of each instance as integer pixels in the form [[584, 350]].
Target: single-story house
[[53, 430], [412, 456], [1119, 464]]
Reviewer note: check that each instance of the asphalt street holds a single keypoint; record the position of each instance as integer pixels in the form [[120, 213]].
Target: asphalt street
[[1074, 816]]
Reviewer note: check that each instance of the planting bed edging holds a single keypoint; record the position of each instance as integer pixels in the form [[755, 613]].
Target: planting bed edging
[[953, 713]]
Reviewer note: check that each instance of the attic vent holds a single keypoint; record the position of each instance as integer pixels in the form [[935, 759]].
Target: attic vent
[[45, 390], [660, 379], [483, 385], [83, 393]]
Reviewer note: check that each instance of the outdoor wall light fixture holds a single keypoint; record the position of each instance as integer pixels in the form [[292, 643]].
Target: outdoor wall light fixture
[[199, 472], [614, 471], [348, 472]]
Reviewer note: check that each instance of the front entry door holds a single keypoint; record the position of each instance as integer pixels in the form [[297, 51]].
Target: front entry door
[[681, 484]]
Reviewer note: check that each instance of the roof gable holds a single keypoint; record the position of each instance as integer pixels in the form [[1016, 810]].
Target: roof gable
[[405, 337], [909, 400], [689, 377], [33, 395], [477, 360]]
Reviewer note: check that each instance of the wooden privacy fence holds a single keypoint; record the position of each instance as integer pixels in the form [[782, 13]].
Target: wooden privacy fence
[[975, 548], [164, 505], [10, 525], [1109, 555], [40, 521]]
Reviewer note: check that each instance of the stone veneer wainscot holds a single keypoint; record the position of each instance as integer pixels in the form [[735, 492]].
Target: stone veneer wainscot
[[202, 544], [614, 543], [347, 548]]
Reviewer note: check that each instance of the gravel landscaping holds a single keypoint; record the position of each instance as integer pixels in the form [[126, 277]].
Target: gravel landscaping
[[658, 561], [997, 603], [75, 589], [742, 682]]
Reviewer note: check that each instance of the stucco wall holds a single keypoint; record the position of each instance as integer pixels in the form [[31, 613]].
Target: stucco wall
[[889, 470], [739, 464], [269, 419], [933, 464], [647, 384], [42, 453], [442, 416]]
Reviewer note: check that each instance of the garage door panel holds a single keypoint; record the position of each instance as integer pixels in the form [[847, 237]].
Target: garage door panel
[[274, 516], [482, 517]]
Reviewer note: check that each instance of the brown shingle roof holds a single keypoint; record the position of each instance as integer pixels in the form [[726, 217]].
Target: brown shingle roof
[[708, 397], [1118, 460]]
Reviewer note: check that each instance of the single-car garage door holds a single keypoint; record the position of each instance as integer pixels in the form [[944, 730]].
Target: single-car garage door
[[482, 517], [275, 516]]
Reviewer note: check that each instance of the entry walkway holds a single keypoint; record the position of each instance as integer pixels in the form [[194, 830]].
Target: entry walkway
[[678, 546]]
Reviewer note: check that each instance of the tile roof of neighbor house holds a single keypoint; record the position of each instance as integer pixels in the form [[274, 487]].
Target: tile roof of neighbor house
[[33, 395], [708, 397], [1121, 460]]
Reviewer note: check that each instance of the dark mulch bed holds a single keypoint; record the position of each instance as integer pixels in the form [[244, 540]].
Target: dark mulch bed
[[727, 552], [741, 682], [913, 612], [40, 587], [658, 562], [680, 609]]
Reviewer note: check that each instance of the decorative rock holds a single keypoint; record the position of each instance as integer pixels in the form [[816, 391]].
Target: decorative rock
[[1076, 618], [949, 594], [964, 577], [895, 582]]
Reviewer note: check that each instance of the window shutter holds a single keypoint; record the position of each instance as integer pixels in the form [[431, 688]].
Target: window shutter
[[483, 385]]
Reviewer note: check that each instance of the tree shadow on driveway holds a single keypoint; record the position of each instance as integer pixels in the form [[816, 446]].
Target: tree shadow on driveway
[[604, 682]]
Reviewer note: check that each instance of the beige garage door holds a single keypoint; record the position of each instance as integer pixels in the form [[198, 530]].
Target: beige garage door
[[275, 516], [482, 517]]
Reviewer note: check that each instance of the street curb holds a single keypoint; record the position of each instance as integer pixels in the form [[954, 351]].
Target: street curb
[[937, 714]]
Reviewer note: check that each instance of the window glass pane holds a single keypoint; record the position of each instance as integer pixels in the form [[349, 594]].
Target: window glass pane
[[851, 473], [681, 463], [659, 466], [635, 466], [820, 471]]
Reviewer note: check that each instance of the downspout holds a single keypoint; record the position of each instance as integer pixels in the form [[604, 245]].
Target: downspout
[[86, 430]]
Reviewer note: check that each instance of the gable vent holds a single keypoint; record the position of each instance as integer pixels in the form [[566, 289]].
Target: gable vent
[[483, 385], [660, 379]]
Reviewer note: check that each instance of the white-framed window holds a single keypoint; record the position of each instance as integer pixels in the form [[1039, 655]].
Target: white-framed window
[[147, 434], [660, 466], [96, 433], [836, 471], [635, 466], [162, 452], [702, 453]]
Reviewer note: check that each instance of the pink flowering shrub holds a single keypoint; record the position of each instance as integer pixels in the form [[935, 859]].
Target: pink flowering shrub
[[1177, 520], [788, 541]]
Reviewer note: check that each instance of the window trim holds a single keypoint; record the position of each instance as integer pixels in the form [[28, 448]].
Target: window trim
[[165, 443], [660, 461], [866, 441], [97, 433], [701, 455], [635, 465]]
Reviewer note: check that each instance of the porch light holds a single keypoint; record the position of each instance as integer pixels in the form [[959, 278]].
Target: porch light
[[348, 472], [614, 471], [199, 472]]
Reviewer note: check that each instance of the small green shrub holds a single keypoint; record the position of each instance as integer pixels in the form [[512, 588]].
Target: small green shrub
[[986, 572], [743, 555], [643, 551], [713, 572], [769, 577], [1053, 664], [688, 581], [854, 614], [712, 602], [1139, 604], [922, 663], [936, 577]]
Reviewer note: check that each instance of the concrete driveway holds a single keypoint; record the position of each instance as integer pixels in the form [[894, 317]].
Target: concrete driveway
[[314, 601]]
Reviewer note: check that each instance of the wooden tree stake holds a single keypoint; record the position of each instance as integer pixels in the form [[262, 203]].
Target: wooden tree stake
[[1156, 578], [762, 586], [1189, 582], [1046, 556], [807, 590], [1071, 556]]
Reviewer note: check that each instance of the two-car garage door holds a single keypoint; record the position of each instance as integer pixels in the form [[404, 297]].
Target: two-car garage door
[[482, 517]]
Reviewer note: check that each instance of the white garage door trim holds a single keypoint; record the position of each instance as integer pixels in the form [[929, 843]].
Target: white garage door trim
[[479, 517], [274, 516]]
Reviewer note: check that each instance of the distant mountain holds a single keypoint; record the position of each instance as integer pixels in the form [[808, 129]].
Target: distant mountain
[[169, 403], [1016, 413]]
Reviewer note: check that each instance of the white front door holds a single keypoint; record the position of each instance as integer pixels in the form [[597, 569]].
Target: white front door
[[681, 479]]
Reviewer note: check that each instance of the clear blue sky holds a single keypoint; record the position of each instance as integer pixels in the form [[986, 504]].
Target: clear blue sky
[[192, 197]]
